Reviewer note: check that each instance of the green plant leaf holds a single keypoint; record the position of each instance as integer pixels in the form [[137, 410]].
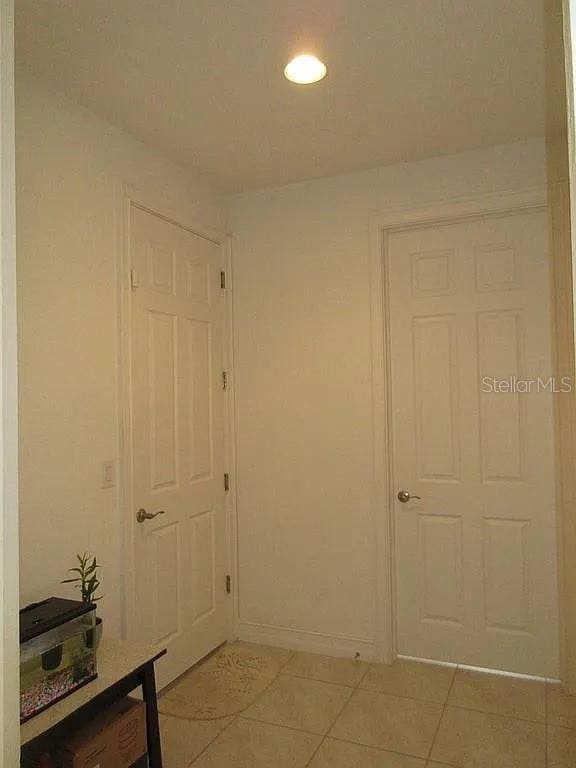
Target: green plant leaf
[[86, 580]]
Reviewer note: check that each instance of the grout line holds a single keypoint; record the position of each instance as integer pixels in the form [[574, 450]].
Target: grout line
[[313, 755], [291, 655], [317, 680], [318, 748], [444, 706], [348, 700], [452, 705], [384, 750], [217, 736], [563, 728], [278, 725], [403, 696], [495, 714], [364, 676]]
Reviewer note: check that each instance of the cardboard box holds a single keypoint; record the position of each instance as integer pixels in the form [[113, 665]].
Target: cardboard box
[[114, 739]]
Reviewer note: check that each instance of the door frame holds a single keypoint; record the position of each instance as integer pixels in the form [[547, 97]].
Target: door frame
[[9, 532], [382, 226], [127, 197], [567, 201]]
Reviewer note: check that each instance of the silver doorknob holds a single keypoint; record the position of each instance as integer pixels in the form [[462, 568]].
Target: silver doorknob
[[405, 496], [142, 515]]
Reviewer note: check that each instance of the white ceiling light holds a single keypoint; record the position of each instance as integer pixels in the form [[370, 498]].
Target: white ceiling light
[[305, 69]]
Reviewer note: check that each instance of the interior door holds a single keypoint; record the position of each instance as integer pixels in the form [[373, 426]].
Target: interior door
[[177, 441], [476, 553]]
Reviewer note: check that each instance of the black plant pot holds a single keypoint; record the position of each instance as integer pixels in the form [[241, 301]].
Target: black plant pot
[[52, 659], [93, 636]]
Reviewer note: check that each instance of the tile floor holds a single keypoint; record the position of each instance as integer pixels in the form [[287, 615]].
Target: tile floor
[[322, 712]]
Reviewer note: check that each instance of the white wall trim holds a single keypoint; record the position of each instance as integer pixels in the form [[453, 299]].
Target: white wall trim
[[381, 461], [381, 227], [231, 446], [9, 550], [124, 367], [482, 670], [163, 206], [311, 642], [569, 23], [568, 529]]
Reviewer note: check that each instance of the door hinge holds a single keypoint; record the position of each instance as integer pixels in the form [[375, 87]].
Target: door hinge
[[133, 279], [226, 481], [228, 584], [224, 380], [222, 280]]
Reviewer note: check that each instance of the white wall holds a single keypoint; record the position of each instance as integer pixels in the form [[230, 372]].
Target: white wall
[[303, 388], [70, 165]]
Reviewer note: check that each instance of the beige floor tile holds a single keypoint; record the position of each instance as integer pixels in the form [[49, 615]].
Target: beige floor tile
[[298, 703], [468, 739], [281, 655], [341, 754], [561, 707], [389, 722], [183, 740], [248, 744], [524, 699], [410, 678], [326, 668], [561, 747]]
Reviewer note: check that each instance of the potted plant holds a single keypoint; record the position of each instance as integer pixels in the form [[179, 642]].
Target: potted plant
[[86, 580]]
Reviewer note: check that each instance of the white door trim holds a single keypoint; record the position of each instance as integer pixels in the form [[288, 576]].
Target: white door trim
[[535, 199], [230, 441], [168, 210], [9, 551]]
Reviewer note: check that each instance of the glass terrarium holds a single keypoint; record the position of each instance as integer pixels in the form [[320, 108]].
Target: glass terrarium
[[57, 652]]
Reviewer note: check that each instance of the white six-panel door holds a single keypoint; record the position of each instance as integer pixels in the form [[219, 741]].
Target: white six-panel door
[[178, 441], [476, 556]]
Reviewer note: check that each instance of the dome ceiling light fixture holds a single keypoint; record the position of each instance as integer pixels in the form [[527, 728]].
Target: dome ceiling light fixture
[[305, 69]]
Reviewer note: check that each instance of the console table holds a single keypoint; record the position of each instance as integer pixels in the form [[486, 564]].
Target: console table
[[122, 667]]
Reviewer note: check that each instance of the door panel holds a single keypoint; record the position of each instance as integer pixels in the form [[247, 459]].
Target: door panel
[[440, 538], [177, 437], [476, 556], [436, 397]]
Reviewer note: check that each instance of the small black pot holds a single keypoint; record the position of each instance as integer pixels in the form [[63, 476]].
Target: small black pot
[[52, 659], [93, 636]]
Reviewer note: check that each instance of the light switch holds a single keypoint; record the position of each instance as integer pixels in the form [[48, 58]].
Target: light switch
[[108, 474]]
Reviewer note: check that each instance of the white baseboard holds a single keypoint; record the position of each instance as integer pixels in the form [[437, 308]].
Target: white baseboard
[[301, 640]]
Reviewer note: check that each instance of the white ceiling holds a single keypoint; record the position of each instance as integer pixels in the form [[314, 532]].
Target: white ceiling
[[202, 80]]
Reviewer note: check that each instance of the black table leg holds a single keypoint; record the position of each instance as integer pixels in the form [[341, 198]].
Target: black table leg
[[152, 725]]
